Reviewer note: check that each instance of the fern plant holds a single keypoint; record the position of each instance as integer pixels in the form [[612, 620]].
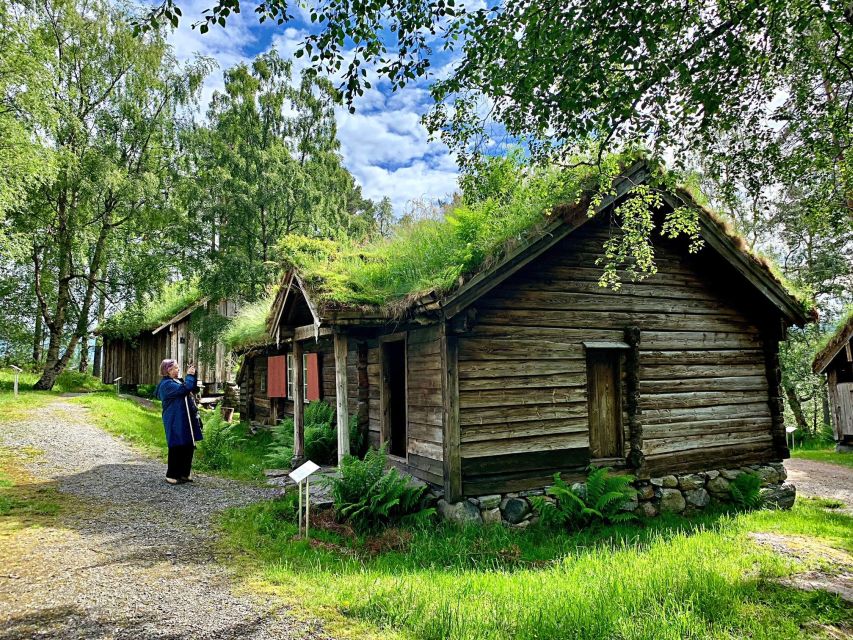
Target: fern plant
[[745, 490], [369, 497], [215, 450], [602, 500]]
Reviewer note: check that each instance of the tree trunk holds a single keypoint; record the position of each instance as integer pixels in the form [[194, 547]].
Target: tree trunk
[[38, 337], [796, 407], [84, 353], [99, 341]]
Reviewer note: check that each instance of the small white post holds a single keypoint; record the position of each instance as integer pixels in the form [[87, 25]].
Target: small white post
[[299, 475], [118, 386], [307, 502], [17, 372], [299, 526]]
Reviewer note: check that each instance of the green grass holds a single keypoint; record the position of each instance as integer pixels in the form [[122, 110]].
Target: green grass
[[667, 578], [823, 453], [248, 328], [144, 428]]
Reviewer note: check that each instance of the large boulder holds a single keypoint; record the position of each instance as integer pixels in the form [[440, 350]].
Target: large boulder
[[671, 501], [514, 510], [646, 510], [780, 496], [670, 482], [462, 513]]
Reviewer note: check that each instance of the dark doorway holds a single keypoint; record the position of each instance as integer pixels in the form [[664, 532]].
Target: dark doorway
[[394, 399], [605, 403]]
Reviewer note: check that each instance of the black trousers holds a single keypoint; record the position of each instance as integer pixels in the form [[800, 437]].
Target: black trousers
[[180, 461]]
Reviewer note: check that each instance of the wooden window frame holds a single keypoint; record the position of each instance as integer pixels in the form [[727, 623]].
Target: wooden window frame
[[291, 379], [384, 396]]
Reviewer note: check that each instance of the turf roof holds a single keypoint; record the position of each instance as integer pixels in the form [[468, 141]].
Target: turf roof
[[434, 257], [151, 313], [834, 342]]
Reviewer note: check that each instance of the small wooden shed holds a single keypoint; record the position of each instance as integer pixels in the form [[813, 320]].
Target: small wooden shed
[[530, 368], [137, 359], [836, 361]]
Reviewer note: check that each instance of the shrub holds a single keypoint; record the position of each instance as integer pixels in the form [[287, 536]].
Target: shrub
[[321, 437], [601, 500], [215, 450], [368, 497], [745, 490]]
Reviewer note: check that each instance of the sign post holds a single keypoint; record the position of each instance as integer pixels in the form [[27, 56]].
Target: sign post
[[17, 372], [298, 475], [791, 431], [118, 385]]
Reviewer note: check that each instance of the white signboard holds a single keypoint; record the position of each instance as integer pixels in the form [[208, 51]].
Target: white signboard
[[300, 473]]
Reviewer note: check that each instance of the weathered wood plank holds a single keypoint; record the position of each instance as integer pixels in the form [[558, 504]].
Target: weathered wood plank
[[530, 461], [502, 430], [508, 397], [340, 342], [755, 382], [522, 367], [451, 414], [660, 416], [653, 446], [557, 382], [484, 448], [696, 399], [475, 416], [424, 448]]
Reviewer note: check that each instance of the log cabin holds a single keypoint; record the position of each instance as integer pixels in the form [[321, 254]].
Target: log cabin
[[137, 359], [835, 360], [530, 368]]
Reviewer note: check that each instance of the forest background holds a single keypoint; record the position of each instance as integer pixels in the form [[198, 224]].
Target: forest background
[[116, 180]]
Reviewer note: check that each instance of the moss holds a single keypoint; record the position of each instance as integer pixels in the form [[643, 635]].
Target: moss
[[834, 339], [438, 255], [248, 328], [151, 312]]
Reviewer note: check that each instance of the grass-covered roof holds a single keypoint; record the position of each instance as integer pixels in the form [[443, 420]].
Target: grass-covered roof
[[150, 313], [834, 341], [437, 255], [248, 328]]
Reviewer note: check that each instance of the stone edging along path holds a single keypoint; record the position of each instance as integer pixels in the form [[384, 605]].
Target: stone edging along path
[[135, 559]]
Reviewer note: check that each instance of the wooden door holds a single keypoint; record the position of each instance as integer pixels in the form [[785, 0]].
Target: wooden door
[[604, 403]]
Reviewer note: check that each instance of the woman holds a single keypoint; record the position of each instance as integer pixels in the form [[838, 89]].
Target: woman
[[178, 412]]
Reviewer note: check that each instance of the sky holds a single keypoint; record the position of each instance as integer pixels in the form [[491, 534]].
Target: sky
[[383, 144]]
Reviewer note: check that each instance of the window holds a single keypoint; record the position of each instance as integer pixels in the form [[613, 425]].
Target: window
[[291, 378]]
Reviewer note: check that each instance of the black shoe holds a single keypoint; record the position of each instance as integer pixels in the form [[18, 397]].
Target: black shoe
[[185, 480]]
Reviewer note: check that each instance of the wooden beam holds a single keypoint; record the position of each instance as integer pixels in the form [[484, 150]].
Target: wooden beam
[[298, 406], [449, 348], [309, 332], [341, 394]]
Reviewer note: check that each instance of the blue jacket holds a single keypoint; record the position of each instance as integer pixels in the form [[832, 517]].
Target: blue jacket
[[172, 394]]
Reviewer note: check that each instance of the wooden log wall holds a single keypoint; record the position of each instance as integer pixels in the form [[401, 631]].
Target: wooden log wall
[[136, 361], [703, 388]]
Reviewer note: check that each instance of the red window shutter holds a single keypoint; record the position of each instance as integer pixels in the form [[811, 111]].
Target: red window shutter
[[313, 361], [277, 377]]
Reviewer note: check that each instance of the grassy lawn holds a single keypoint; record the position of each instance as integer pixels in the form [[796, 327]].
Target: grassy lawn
[[671, 577], [823, 454], [23, 501]]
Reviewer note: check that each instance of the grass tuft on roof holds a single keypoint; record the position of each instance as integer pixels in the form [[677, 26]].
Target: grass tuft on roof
[[434, 254], [834, 339], [248, 328], [152, 311]]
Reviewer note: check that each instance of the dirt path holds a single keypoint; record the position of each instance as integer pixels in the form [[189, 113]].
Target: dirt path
[[822, 479], [134, 558]]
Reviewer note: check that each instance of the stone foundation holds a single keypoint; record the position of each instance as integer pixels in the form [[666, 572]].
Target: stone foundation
[[686, 493]]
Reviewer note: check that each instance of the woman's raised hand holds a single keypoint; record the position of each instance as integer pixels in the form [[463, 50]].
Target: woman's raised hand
[[191, 370]]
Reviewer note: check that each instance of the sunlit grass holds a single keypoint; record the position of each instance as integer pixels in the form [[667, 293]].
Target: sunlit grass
[[824, 454], [669, 578]]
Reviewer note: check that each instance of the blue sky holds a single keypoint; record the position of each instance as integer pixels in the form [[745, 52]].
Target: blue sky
[[383, 144]]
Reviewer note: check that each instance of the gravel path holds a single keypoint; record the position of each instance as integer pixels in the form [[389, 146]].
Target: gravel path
[[136, 559], [822, 479]]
